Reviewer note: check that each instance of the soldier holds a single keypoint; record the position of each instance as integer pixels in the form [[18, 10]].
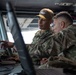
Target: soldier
[[62, 48], [61, 43], [45, 19]]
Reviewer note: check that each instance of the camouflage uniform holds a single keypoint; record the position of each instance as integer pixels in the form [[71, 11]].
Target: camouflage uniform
[[40, 37], [62, 43], [65, 42]]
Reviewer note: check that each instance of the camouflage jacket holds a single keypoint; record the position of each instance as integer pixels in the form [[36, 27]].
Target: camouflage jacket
[[40, 37], [56, 44]]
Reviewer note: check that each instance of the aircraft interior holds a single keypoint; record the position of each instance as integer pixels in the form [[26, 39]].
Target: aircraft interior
[[23, 23]]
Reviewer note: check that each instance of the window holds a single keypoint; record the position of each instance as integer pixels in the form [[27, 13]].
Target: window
[[28, 26]]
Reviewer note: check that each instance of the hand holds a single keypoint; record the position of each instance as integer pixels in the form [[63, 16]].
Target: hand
[[6, 44], [43, 61]]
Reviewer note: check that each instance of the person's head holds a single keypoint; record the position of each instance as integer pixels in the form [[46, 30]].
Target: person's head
[[61, 20], [45, 18]]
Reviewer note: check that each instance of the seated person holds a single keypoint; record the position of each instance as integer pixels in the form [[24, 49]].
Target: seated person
[[62, 43], [63, 38], [44, 21]]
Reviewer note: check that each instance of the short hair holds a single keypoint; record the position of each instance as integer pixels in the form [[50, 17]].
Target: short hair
[[65, 15]]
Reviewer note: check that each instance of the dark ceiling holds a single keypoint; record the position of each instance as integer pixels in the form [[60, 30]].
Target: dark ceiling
[[34, 6]]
